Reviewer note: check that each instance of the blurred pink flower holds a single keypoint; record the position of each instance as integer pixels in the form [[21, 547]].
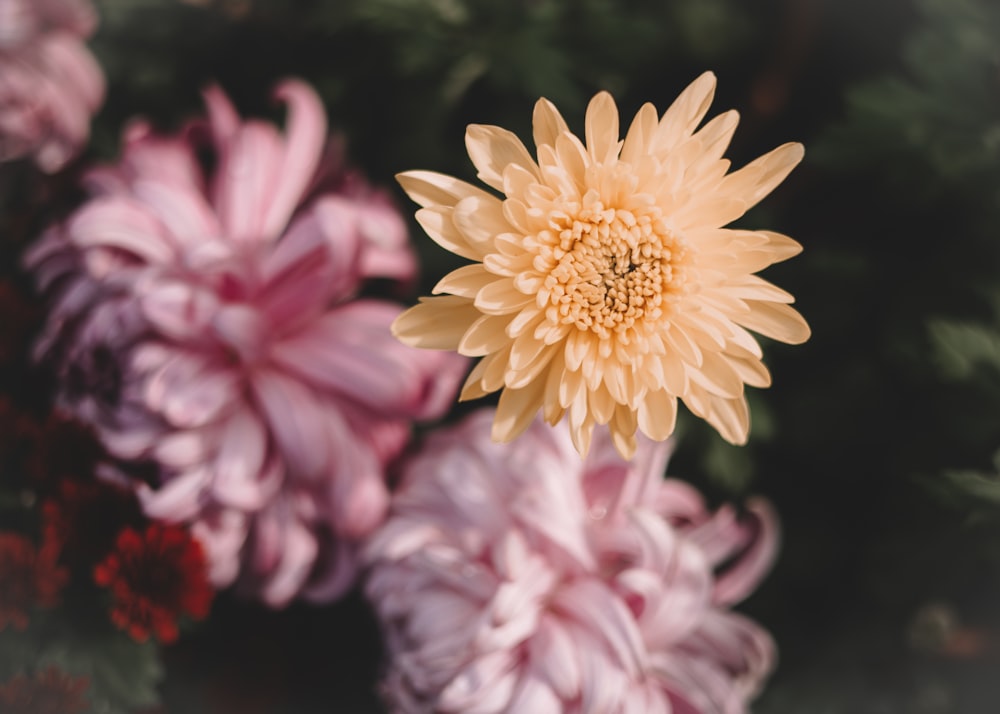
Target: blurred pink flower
[[522, 579], [209, 326], [50, 84]]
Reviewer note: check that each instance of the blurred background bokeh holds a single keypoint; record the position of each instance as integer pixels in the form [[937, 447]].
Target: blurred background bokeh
[[879, 442]]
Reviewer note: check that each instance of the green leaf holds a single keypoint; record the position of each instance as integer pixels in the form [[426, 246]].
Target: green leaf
[[974, 483], [959, 347]]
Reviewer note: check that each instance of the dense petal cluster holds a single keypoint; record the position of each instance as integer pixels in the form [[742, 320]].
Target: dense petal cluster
[[50, 84], [605, 286], [46, 691], [154, 578], [527, 580], [208, 326], [30, 577]]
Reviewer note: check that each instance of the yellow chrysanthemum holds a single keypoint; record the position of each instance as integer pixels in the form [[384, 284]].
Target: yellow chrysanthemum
[[605, 286]]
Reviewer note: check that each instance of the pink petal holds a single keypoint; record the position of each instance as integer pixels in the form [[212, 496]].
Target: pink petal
[[222, 116], [553, 655], [241, 478], [533, 695], [483, 687], [600, 611], [148, 156], [761, 543], [385, 437], [184, 214], [76, 71], [737, 645], [18, 21], [176, 309], [388, 252], [188, 391], [296, 422], [222, 532], [362, 505], [314, 264], [243, 330], [334, 574], [181, 450], [352, 351], [306, 132], [554, 507], [604, 683], [118, 223], [299, 548], [178, 499], [249, 169]]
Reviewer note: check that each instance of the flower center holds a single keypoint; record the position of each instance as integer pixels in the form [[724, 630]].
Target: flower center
[[612, 268]]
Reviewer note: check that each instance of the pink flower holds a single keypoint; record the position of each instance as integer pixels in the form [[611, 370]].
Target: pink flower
[[209, 325], [50, 84], [526, 580]]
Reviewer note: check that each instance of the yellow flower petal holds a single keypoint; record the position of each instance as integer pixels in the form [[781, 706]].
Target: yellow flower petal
[[781, 246], [602, 127], [438, 224], [501, 298], [761, 176], [622, 427], [516, 409], [731, 418], [466, 281], [531, 367], [485, 335], [601, 404], [429, 188], [480, 220], [492, 150], [547, 122], [657, 414], [436, 323], [779, 322], [714, 139], [687, 111], [640, 134]]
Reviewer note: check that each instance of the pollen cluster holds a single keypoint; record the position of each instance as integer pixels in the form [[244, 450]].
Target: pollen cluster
[[607, 269]]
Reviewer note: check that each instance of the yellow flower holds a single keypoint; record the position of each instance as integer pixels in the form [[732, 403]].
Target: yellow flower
[[605, 286]]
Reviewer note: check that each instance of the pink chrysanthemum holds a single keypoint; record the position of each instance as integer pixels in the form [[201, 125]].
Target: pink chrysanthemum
[[50, 84], [527, 580], [210, 325]]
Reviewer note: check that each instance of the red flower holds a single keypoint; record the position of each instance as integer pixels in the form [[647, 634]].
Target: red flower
[[49, 691], [154, 578], [39, 452], [29, 577], [68, 519]]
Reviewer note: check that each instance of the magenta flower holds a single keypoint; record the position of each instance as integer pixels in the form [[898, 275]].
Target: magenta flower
[[526, 580], [209, 327], [50, 84]]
